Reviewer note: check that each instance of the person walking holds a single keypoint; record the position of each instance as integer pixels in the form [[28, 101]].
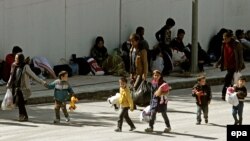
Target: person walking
[[138, 61], [202, 93], [19, 82], [126, 103], [231, 60], [156, 105], [241, 92], [62, 93]]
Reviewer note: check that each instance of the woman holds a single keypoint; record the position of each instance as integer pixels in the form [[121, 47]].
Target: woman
[[231, 59], [138, 61], [19, 82], [158, 102], [99, 51]]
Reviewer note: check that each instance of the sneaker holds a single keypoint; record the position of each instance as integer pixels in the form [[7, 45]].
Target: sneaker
[[23, 119], [67, 119], [198, 123], [236, 122], [149, 129], [132, 129], [167, 130], [118, 130], [206, 121], [57, 121]]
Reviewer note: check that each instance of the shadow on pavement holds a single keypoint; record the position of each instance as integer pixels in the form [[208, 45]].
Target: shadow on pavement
[[156, 133], [218, 125], [46, 116], [17, 124], [195, 136]]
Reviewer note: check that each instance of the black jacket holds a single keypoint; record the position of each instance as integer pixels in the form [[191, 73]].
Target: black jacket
[[206, 97]]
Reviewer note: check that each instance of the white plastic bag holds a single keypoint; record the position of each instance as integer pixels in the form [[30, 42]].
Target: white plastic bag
[[7, 103], [237, 75], [145, 114], [231, 96]]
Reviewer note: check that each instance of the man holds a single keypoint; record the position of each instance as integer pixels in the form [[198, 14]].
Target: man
[[231, 59]]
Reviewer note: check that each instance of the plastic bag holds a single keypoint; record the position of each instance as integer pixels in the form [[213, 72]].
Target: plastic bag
[[231, 96], [237, 75], [142, 95], [7, 103], [145, 114]]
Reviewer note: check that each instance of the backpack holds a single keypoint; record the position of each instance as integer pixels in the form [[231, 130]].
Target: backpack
[[83, 66]]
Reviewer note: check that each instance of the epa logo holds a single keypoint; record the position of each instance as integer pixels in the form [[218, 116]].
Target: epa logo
[[238, 134]]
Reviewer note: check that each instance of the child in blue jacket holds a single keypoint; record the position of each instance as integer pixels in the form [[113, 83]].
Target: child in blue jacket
[[62, 93]]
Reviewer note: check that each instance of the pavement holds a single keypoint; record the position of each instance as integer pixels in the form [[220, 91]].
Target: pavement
[[101, 87], [96, 120]]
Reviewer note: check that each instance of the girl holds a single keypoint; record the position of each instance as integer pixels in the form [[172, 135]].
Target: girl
[[156, 105]]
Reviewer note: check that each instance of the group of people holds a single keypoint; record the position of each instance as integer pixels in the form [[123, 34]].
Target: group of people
[[216, 42], [140, 61], [230, 59], [19, 84], [158, 104]]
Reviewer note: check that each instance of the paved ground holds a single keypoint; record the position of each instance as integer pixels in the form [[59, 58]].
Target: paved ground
[[96, 120]]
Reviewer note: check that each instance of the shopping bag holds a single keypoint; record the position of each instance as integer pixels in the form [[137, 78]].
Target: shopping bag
[[7, 103], [145, 114], [142, 95], [237, 75], [231, 96]]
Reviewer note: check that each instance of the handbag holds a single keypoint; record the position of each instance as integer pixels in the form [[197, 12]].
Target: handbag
[[142, 95], [7, 103]]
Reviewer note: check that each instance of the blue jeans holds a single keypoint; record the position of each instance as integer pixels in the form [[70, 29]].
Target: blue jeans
[[204, 109], [238, 110]]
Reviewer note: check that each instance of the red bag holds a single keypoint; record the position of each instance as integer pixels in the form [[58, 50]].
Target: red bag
[[95, 68]]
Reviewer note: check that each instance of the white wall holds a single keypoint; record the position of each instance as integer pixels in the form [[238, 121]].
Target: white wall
[[87, 19], [59, 28], [35, 25], [1, 29], [152, 15]]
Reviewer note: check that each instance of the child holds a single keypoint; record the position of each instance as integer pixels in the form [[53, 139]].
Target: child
[[155, 105], [202, 92], [61, 94], [241, 91], [126, 103]]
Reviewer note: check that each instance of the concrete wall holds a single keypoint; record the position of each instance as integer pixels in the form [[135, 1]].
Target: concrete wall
[[152, 15], [58, 28]]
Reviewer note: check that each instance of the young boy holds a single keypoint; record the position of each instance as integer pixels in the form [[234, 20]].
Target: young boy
[[62, 93], [126, 103], [202, 92], [241, 91]]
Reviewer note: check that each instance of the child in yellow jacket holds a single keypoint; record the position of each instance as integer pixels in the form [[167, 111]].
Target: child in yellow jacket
[[126, 103]]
